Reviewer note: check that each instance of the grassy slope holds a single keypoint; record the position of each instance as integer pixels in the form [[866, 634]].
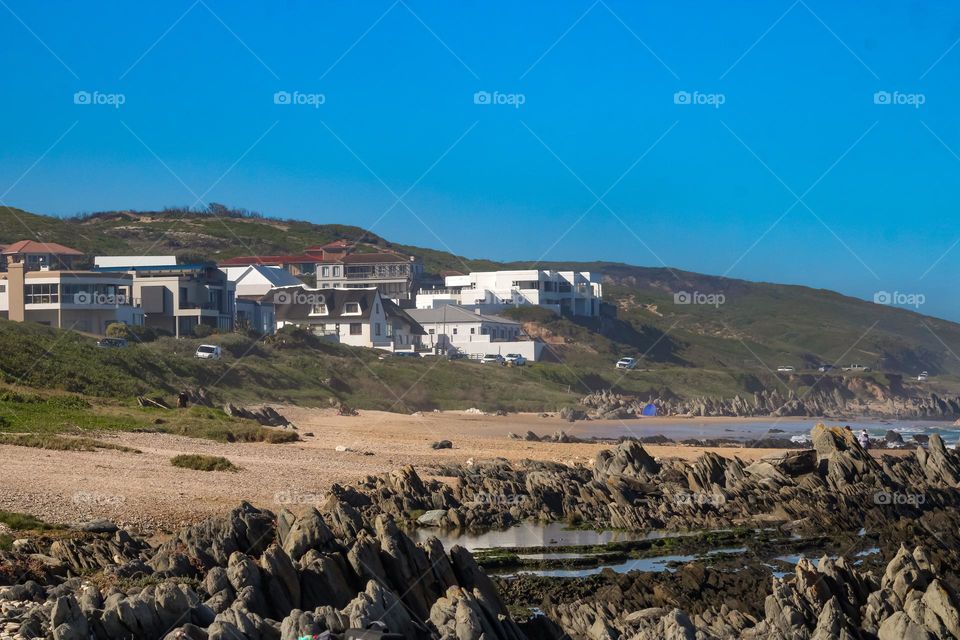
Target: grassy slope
[[759, 327]]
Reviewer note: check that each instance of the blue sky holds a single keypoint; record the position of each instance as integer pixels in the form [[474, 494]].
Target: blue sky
[[798, 176]]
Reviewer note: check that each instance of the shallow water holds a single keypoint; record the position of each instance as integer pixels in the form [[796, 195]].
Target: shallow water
[[654, 565], [553, 534], [796, 429]]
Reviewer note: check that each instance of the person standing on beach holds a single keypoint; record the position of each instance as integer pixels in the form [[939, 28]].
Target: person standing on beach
[[864, 439]]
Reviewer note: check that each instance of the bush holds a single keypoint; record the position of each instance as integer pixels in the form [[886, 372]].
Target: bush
[[133, 333], [203, 463], [202, 331]]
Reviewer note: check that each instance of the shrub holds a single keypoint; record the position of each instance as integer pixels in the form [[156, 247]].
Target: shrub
[[202, 331], [133, 333], [203, 463]]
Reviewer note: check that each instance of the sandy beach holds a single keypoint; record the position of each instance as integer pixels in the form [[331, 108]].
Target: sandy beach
[[146, 491]]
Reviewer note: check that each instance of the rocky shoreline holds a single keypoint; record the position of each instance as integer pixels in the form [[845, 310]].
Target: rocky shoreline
[[854, 398], [349, 563]]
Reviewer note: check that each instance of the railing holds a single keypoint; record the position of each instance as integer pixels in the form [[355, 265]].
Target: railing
[[373, 276], [207, 306]]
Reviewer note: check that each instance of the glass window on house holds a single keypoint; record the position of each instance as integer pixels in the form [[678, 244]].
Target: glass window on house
[[356, 329], [325, 272], [41, 293]]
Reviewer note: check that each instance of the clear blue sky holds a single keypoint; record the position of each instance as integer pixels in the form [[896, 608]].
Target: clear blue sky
[[877, 182]]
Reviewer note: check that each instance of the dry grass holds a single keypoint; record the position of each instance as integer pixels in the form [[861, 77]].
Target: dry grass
[[203, 463]]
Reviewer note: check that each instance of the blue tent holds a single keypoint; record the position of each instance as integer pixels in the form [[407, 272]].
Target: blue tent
[[650, 409]]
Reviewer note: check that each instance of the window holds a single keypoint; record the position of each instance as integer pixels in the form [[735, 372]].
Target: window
[[432, 331], [336, 272], [41, 293], [376, 328], [473, 330], [378, 307], [319, 310], [3, 288], [454, 331], [356, 329], [325, 272], [351, 309]]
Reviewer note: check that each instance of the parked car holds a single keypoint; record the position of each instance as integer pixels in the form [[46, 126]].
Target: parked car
[[785, 369], [456, 355], [825, 368], [857, 367], [492, 358], [112, 343], [406, 354], [923, 377], [515, 359], [208, 352], [626, 363]]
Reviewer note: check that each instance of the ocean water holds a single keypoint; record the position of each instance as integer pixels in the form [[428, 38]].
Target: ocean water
[[795, 429]]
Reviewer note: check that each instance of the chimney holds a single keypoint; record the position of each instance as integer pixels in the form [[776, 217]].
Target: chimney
[[476, 310], [15, 292]]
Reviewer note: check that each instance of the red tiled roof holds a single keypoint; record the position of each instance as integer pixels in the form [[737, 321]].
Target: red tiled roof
[[31, 246], [241, 261], [366, 258]]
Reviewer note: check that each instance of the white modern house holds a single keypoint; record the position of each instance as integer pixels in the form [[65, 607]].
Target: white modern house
[[577, 293], [453, 328]]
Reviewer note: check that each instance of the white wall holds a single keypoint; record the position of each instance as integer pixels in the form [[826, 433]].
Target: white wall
[[134, 261]]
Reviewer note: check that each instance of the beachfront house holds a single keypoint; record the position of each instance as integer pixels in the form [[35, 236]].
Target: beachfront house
[[576, 293], [357, 317], [339, 265], [176, 298], [454, 328], [84, 301]]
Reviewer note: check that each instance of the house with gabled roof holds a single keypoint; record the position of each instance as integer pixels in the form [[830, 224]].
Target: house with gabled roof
[[357, 317]]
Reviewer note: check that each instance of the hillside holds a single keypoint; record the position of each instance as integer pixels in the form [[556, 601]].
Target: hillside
[[758, 327]]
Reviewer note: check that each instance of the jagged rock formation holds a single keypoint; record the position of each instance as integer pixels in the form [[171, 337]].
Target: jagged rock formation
[[854, 397], [260, 576], [836, 485]]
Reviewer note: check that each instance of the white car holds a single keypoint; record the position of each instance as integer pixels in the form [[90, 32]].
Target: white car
[[492, 358], [626, 363], [923, 377], [857, 367], [785, 369], [515, 359], [208, 352]]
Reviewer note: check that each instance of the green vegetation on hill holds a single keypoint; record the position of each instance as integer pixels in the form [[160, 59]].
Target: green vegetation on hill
[[687, 349]]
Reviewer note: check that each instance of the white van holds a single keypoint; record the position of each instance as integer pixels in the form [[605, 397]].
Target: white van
[[208, 352]]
